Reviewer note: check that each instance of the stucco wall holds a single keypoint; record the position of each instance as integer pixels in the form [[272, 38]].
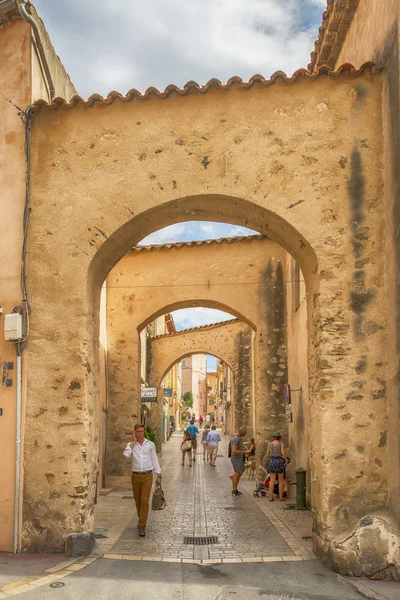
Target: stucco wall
[[20, 78], [374, 35], [15, 85], [301, 163], [297, 340], [245, 277]]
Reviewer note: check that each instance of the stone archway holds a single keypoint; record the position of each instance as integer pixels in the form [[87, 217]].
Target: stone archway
[[302, 165], [244, 277], [232, 342]]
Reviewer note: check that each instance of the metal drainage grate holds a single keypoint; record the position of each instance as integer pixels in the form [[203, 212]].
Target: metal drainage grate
[[233, 508], [100, 536], [307, 537], [200, 541], [127, 498]]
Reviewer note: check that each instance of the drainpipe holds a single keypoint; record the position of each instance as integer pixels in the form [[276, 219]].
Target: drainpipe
[[21, 5], [18, 447]]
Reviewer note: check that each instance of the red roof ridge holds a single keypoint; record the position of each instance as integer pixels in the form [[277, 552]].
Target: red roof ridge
[[200, 327], [192, 87], [168, 246]]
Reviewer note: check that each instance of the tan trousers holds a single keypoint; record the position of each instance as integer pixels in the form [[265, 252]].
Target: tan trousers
[[141, 487]]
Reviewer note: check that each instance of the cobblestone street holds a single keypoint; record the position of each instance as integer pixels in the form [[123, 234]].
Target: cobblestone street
[[200, 504]]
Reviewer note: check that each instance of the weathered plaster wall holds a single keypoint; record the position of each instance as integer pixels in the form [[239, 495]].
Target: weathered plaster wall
[[15, 84], [297, 340], [230, 342], [227, 275], [374, 35], [20, 76], [301, 163]]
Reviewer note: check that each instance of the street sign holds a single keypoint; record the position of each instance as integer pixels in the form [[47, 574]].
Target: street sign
[[148, 394], [167, 392], [286, 394], [289, 414]]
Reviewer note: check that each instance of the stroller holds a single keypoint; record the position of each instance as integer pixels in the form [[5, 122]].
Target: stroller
[[262, 489]]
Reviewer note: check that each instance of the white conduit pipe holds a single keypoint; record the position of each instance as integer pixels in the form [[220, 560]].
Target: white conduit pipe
[[18, 448], [21, 5]]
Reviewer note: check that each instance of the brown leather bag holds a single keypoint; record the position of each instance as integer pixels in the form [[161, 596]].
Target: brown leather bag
[[158, 501]]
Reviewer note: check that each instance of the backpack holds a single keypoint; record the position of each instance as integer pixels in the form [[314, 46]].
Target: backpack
[[229, 449]]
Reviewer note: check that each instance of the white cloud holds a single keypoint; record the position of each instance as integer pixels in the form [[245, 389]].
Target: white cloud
[[172, 233], [240, 231], [208, 228], [195, 230], [186, 318], [158, 42]]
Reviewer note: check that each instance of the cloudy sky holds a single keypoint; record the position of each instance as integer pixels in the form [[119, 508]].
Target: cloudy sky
[[110, 45], [120, 44]]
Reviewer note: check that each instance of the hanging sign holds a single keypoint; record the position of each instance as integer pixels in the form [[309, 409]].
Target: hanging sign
[[286, 394], [148, 394], [167, 392], [289, 414]]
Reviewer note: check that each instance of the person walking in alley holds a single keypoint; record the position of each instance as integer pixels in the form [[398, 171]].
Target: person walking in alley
[[201, 420], [276, 464], [237, 454], [213, 440], [192, 429], [186, 448], [204, 442], [144, 462]]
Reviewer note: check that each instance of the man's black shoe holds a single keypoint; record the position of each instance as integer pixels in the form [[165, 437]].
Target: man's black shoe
[[142, 532], [240, 493], [235, 493]]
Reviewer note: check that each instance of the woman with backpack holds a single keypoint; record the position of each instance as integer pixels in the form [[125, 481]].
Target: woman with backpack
[[186, 448]]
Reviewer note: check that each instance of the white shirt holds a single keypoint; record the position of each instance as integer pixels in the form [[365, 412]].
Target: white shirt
[[144, 457], [213, 438]]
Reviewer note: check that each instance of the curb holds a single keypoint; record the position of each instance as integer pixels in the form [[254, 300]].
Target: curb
[[65, 568]]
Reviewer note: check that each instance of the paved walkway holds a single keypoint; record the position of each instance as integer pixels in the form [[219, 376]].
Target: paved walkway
[[200, 504]]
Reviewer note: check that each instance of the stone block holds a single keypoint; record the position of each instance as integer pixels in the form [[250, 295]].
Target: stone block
[[80, 544]]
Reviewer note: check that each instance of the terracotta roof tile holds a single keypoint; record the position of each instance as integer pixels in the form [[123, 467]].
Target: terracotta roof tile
[[192, 87], [199, 328], [9, 17], [230, 240], [336, 21]]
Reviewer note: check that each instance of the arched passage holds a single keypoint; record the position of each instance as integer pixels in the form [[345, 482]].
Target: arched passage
[[243, 277], [276, 179], [232, 342]]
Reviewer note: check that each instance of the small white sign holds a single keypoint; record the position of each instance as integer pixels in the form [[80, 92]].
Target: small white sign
[[148, 392]]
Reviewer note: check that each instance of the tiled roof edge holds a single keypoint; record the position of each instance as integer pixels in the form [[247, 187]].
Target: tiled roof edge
[[336, 21], [9, 17], [228, 240], [192, 87], [201, 327]]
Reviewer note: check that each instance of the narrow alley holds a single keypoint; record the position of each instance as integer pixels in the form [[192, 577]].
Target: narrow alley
[[200, 505]]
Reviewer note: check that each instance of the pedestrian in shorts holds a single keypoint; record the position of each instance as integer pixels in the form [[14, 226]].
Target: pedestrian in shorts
[[213, 440], [204, 442], [237, 458]]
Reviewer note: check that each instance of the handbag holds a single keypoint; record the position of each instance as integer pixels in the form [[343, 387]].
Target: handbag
[[158, 500], [186, 445]]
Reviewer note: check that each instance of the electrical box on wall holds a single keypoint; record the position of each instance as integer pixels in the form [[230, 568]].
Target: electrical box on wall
[[13, 327]]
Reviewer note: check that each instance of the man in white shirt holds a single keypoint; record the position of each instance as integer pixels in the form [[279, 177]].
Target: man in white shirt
[[144, 462]]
